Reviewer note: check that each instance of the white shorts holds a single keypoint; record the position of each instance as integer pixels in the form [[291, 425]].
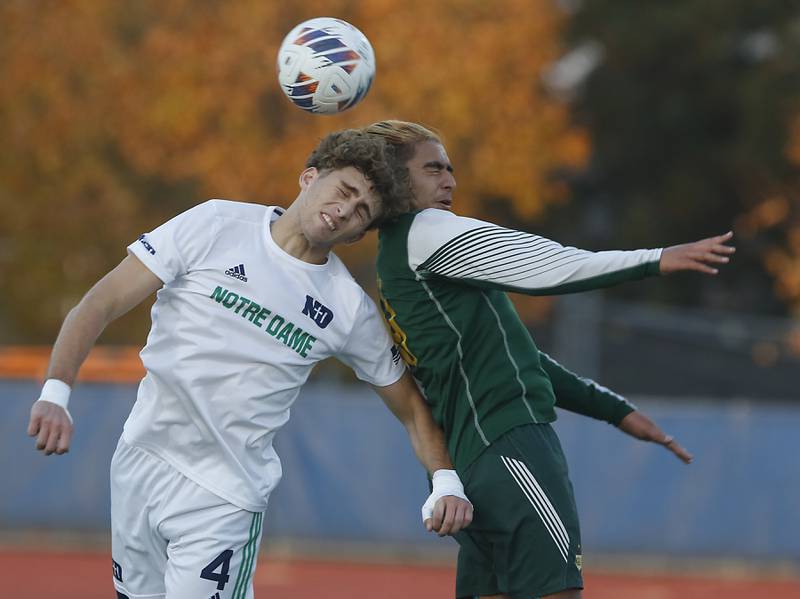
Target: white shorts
[[173, 539]]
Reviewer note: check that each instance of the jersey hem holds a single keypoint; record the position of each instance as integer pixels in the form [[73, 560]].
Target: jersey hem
[[151, 263], [232, 499], [463, 466], [386, 384]]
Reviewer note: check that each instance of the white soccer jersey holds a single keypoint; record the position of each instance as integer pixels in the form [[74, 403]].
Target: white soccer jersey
[[237, 328], [457, 247]]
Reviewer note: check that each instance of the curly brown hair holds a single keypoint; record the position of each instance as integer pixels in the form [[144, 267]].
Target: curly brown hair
[[375, 159]]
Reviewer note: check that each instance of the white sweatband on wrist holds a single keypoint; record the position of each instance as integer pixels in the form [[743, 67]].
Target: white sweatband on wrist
[[445, 482], [56, 392]]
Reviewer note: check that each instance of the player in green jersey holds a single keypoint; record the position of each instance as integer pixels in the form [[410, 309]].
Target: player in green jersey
[[443, 280]]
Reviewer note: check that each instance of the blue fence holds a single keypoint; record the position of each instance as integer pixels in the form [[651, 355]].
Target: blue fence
[[350, 475]]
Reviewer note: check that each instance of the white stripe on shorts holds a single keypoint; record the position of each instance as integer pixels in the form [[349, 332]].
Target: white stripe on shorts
[[533, 491]]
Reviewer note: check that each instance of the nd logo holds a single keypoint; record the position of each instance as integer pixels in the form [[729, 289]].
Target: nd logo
[[317, 312]]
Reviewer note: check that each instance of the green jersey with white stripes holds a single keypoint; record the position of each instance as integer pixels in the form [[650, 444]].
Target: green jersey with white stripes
[[442, 281]]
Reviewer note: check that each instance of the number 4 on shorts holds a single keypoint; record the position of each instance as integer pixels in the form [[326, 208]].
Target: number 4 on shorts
[[223, 562]]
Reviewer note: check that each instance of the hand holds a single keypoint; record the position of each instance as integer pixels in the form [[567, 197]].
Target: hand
[[699, 255], [52, 426], [450, 514], [640, 426]]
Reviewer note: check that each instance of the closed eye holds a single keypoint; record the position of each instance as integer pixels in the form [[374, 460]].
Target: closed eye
[[435, 167]]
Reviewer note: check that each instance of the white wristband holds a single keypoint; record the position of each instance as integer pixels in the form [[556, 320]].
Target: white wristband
[[445, 482], [56, 392]]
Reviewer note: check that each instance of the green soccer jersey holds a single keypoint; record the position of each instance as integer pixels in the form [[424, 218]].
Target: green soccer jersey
[[442, 281]]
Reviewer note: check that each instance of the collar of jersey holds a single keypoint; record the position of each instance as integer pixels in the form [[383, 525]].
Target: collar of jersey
[[273, 212]]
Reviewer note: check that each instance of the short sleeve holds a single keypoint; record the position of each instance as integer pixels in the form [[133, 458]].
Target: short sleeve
[[369, 349], [173, 248]]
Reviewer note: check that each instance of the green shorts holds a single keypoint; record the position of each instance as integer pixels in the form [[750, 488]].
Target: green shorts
[[524, 539]]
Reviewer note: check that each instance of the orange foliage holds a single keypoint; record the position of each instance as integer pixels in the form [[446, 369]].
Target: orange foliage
[[767, 213], [781, 260], [117, 115]]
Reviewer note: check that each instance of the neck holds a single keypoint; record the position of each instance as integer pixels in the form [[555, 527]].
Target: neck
[[288, 235]]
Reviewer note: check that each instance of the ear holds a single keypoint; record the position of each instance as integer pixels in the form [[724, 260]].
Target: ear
[[307, 177]]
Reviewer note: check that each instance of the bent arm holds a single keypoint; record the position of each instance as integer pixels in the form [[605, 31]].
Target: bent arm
[[409, 407], [123, 288], [447, 510], [127, 285]]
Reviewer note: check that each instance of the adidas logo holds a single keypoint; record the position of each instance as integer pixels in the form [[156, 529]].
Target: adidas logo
[[237, 272]]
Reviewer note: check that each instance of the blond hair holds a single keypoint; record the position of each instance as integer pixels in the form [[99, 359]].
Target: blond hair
[[403, 135]]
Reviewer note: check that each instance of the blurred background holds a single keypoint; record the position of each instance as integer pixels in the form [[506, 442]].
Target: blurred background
[[603, 125]]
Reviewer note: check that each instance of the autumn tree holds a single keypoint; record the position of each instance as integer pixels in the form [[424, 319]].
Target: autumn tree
[[117, 115]]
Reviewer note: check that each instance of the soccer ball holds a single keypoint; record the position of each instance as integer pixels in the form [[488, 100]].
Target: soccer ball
[[325, 65]]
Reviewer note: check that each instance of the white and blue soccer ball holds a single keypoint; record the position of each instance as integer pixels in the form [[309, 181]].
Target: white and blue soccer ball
[[325, 65]]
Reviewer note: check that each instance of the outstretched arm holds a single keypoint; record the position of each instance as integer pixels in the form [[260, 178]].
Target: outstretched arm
[[441, 244], [115, 294], [451, 510]]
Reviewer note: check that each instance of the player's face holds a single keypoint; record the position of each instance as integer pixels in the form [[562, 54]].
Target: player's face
[[338, 205], [432, 179]]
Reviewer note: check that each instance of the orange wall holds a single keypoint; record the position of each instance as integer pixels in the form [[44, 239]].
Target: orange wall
[[117, 364]]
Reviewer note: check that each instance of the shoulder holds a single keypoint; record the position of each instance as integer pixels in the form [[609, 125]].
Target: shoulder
[[341, 277], [440, 225], [435, 217], [432, 216], [336, 268], [237, 211], [349, 293], [435, 230]]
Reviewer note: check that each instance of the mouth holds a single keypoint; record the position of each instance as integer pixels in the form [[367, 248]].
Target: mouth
[[328, 221], [446, 204]]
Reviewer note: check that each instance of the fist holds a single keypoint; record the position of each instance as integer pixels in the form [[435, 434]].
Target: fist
[[52, 426]]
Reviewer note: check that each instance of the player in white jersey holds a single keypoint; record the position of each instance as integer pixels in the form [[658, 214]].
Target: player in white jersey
[[250, 298]]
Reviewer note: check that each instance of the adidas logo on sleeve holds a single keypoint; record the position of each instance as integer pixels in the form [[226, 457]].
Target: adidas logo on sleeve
[[237, 272]]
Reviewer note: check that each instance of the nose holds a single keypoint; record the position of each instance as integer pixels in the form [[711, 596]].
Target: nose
[[344, 209], [449, 181]]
